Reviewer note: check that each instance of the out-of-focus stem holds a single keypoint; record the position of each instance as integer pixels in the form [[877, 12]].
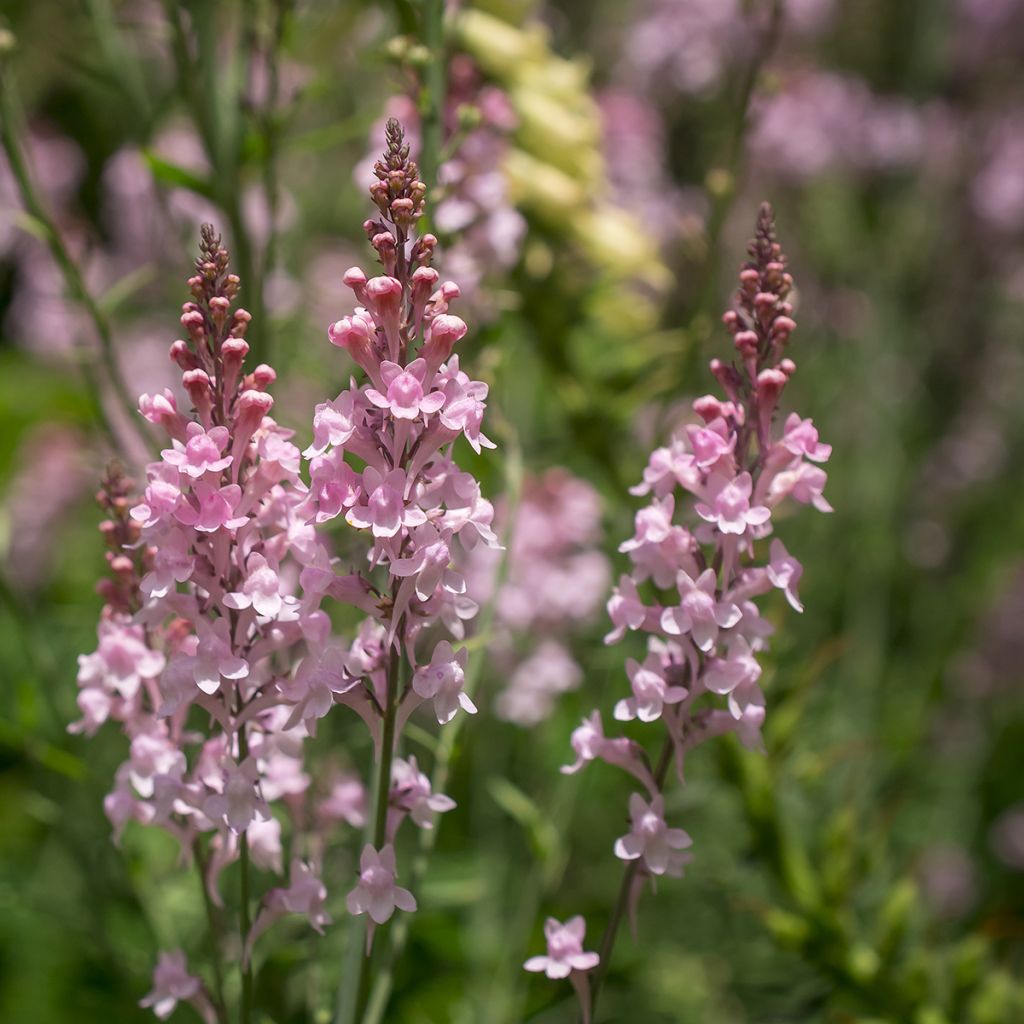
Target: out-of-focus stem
[[433, 92], [245, 1005], [732, 165], [622, 900], [73, 279], [214, 932]]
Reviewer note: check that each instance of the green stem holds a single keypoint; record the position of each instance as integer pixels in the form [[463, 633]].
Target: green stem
[[432, 94], [352, 999], [622, 900], [245, 924], [215, 933], [73, 280], [444, 755]]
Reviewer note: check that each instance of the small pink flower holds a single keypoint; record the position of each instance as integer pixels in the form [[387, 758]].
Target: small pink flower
[[653, 524], [201, 453], [261, 589], [162, 496], [651, 692], [334, 485], [305, 894], [625, 609], [711, 443], [785, 571], [210, 508], [385, 511], [215, 658], [801, 438], [335, 422], [565, 949], [239, 803], [411, 791], [730, 509], [442, 681], [649, 837], [171, 984], [667, 468], [376, 894], [739, 668], [699, 613], [406, 398]]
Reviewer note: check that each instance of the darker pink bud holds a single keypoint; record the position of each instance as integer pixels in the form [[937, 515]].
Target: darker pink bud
[[262, 377], [708, 408], [232, 354], [183, 355], [783, 325], [200, 390], [444, 331], [769, 386]]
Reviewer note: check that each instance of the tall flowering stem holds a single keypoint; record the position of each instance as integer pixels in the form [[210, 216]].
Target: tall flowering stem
[[698, 568], [382, 457], [212, 601]]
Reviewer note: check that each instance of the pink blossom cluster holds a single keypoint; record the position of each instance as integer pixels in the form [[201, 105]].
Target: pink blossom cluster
[[555, 574], [382, 461], [216, 582], [701, 554]]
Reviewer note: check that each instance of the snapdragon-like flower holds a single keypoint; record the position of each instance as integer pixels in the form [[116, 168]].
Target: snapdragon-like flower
[[566, 958], [376, 893], [696, 597]]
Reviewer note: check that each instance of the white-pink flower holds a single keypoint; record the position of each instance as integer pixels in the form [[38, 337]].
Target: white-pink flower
[[202, 452], [729, 507], [699, 612], [651, 691], [171, 984], [407, 397], [260, 590], [442, 681], [565, 949], [800, 436], [411, 792], [385, 511], [785, 571], [376, 894], [649, 837]]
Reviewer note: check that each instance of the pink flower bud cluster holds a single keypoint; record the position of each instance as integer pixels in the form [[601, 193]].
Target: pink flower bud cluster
[[555, 574], [215, 587], [696, 577], [381, 459]]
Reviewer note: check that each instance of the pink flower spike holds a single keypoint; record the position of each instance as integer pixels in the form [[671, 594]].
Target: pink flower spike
[[376, 893], [442, 681], [201, 453], [649, 837], [785, 571], [565, 949]]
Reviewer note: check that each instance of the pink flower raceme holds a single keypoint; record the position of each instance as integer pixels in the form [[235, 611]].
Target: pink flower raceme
[[383, 459], [214, 596], [694, 583]]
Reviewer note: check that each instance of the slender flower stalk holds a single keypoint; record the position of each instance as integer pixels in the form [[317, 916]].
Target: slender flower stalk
[[694, 580], [382, 458]]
